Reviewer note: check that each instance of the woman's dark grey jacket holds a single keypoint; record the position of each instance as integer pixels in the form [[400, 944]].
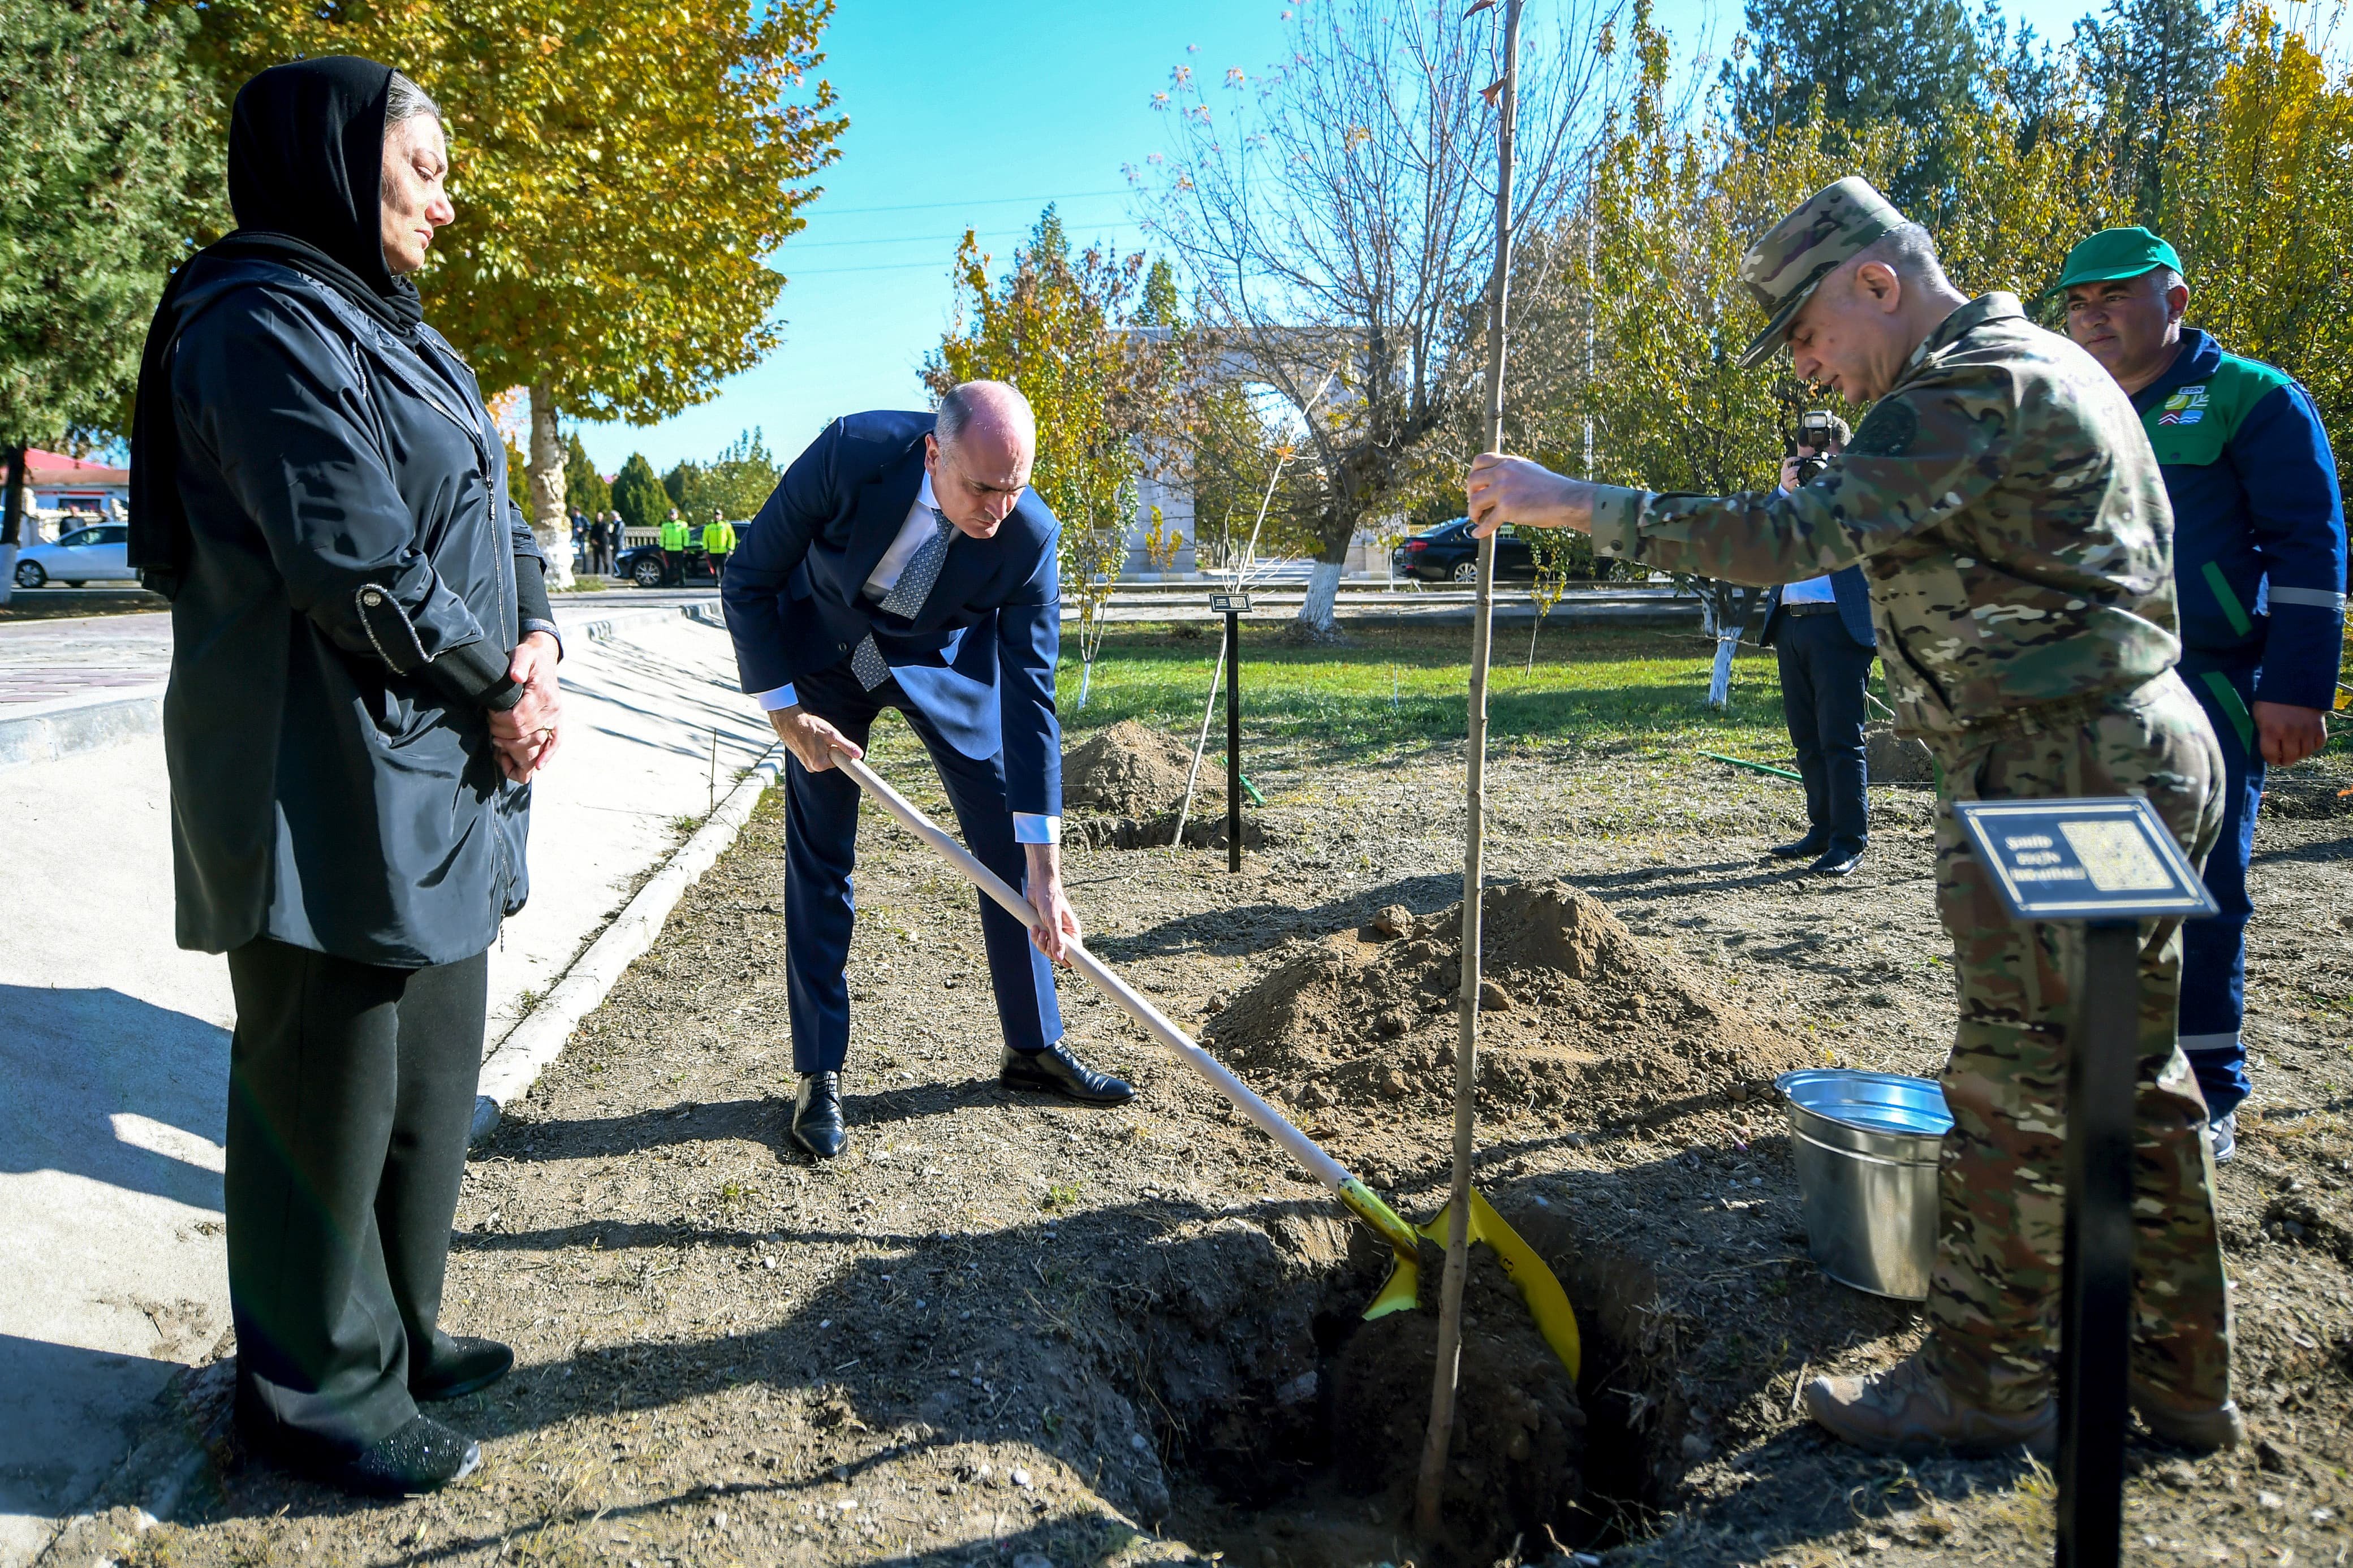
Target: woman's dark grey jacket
[[341, 631]]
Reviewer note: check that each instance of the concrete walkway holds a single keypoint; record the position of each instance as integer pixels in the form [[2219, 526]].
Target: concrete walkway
[[114, 1044]]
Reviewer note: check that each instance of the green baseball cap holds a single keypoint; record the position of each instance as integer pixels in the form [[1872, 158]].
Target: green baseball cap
[[2113, 253], [1782, 269]]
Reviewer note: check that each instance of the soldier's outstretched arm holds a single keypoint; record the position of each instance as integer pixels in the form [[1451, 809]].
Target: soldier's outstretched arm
[[1926, 451]]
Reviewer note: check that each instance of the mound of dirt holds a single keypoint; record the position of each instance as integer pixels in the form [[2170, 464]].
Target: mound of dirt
[[1128, 771], [1580, 1020]]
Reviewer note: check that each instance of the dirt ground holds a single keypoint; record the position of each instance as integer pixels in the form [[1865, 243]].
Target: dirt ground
[[1008, 1331]]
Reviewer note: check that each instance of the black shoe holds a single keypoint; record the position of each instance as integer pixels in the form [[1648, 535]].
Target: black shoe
[[816, 1115], [1837, 863], [1805, 849], [422, 1457], [457, 1367], [1055, 1071]]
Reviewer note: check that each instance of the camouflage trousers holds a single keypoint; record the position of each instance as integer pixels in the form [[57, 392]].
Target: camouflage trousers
[[1993, 1299]]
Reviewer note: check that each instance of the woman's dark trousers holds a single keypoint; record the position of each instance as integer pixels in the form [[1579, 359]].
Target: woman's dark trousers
[[1823, 671], [350, 1093]]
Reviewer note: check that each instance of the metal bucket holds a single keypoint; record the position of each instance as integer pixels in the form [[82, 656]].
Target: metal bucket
[[1866, 1146]]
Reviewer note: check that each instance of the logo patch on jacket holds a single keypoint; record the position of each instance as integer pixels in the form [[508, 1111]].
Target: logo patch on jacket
[[2187, 406]]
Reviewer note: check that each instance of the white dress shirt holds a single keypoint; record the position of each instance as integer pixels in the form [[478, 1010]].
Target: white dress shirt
[[1028, 827]]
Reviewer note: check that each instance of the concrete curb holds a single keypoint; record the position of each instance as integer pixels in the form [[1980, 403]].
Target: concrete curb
[[515, 1064], [67, 725]]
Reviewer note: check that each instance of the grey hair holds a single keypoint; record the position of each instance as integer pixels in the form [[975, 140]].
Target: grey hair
[[1910, 251], [407, 101], [960, 402], [2167, 280]]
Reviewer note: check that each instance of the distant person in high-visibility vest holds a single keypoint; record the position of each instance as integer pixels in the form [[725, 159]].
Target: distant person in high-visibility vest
[[673, 548], [718, 542]]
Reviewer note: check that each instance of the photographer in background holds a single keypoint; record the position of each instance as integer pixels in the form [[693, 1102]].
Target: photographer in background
[[1821, 631]]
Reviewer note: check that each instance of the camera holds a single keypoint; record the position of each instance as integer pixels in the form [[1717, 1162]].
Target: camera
[[1816, 428]]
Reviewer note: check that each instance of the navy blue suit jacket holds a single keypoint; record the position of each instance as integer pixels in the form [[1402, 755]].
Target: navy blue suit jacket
[[1853, 595], [979, 660]]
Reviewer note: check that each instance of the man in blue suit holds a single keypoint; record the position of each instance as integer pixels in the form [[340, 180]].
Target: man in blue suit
[[1820, 630], [904, 563]]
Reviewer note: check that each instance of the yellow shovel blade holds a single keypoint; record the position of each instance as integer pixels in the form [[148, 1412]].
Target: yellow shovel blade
[[1538, 1285], [1403, 1291]]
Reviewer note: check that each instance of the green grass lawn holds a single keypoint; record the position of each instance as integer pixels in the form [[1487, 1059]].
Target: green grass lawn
[[1633, 692]]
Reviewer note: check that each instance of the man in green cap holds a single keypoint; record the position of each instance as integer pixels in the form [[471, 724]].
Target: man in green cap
[[2005, 506], [2259, 568]]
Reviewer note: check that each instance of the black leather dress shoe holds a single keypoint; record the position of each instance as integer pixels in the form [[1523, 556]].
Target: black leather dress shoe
[[457, 1367], [1805, 849], [1837, 863], [1055, 1071], [422, 1457], [816, 1115]]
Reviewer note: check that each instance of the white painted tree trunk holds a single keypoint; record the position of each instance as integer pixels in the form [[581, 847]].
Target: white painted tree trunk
[[549, 524], [8, 572], [1322, 592], [1719, 685]]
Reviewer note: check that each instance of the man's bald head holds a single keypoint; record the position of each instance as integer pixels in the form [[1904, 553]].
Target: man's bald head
[[979, 453]]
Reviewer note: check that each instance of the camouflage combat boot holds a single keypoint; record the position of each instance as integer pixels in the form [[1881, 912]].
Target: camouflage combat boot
[[2201, 1428], [1909, 1410]]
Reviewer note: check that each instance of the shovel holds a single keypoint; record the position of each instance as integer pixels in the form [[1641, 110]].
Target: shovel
[[1536, 1284]]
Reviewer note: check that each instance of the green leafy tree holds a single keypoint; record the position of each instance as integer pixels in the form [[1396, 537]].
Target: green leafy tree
[[1860, 65], [623, 169], [2151, 68], [96, 141], [638, 495], [735, 483], [1071, 332], [583, 485]]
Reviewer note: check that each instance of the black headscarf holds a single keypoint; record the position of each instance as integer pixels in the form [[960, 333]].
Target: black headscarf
[[305, 180]]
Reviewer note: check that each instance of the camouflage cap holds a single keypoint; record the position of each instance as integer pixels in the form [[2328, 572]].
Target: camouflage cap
[[1780, 270]]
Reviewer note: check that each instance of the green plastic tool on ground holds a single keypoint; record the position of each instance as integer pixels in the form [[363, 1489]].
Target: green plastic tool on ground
[[1536, 1284]]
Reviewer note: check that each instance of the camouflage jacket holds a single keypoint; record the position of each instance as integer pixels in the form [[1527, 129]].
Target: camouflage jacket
[[2004, 503]]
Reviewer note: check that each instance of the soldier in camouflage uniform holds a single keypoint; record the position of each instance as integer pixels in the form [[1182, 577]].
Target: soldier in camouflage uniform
[[2005, 505]]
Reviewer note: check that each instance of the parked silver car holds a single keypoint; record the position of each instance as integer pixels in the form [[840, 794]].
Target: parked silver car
[[85, 555]]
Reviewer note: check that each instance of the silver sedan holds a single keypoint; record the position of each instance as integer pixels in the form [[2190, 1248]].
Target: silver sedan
[[85, 555]]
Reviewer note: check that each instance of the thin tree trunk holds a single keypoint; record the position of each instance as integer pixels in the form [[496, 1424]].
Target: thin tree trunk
[[549, 524]]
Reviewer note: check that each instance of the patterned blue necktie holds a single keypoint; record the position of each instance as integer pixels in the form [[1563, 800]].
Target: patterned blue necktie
[[905, 599]]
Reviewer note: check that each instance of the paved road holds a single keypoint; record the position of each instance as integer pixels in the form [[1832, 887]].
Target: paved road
[[113, 1043]]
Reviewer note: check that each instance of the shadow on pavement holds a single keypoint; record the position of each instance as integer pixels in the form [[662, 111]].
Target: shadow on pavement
[[121, 1091]]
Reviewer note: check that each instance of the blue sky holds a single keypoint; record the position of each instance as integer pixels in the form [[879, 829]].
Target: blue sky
[[976, 115]]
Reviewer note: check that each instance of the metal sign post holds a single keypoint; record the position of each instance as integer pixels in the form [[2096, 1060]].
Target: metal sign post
[[1233, 607], [2109, 864]]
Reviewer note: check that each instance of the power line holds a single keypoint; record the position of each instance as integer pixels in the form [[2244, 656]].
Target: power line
[[818, 208], [958, 234]]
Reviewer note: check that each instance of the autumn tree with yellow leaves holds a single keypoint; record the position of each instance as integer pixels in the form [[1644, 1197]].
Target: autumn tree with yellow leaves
[[622, 169], [1090, 339]]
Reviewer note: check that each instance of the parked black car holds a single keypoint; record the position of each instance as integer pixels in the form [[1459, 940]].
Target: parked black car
[[643, 566], [1448, 554]]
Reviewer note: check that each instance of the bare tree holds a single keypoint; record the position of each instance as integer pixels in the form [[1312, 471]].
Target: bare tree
[[1338, 210]]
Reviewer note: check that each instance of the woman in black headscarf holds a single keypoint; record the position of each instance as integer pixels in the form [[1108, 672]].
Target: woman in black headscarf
[[363, 684]]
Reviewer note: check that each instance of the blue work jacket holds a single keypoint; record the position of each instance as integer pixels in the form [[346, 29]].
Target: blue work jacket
[[2258, 524]]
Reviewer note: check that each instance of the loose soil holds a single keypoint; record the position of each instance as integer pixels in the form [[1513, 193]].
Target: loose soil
[[1007, 1330]]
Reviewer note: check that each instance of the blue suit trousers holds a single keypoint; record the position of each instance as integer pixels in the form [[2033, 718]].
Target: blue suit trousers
[[821, 851], [2214, 951]]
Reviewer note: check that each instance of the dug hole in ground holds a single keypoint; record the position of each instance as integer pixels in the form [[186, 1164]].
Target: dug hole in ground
[[1003, 1330]]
